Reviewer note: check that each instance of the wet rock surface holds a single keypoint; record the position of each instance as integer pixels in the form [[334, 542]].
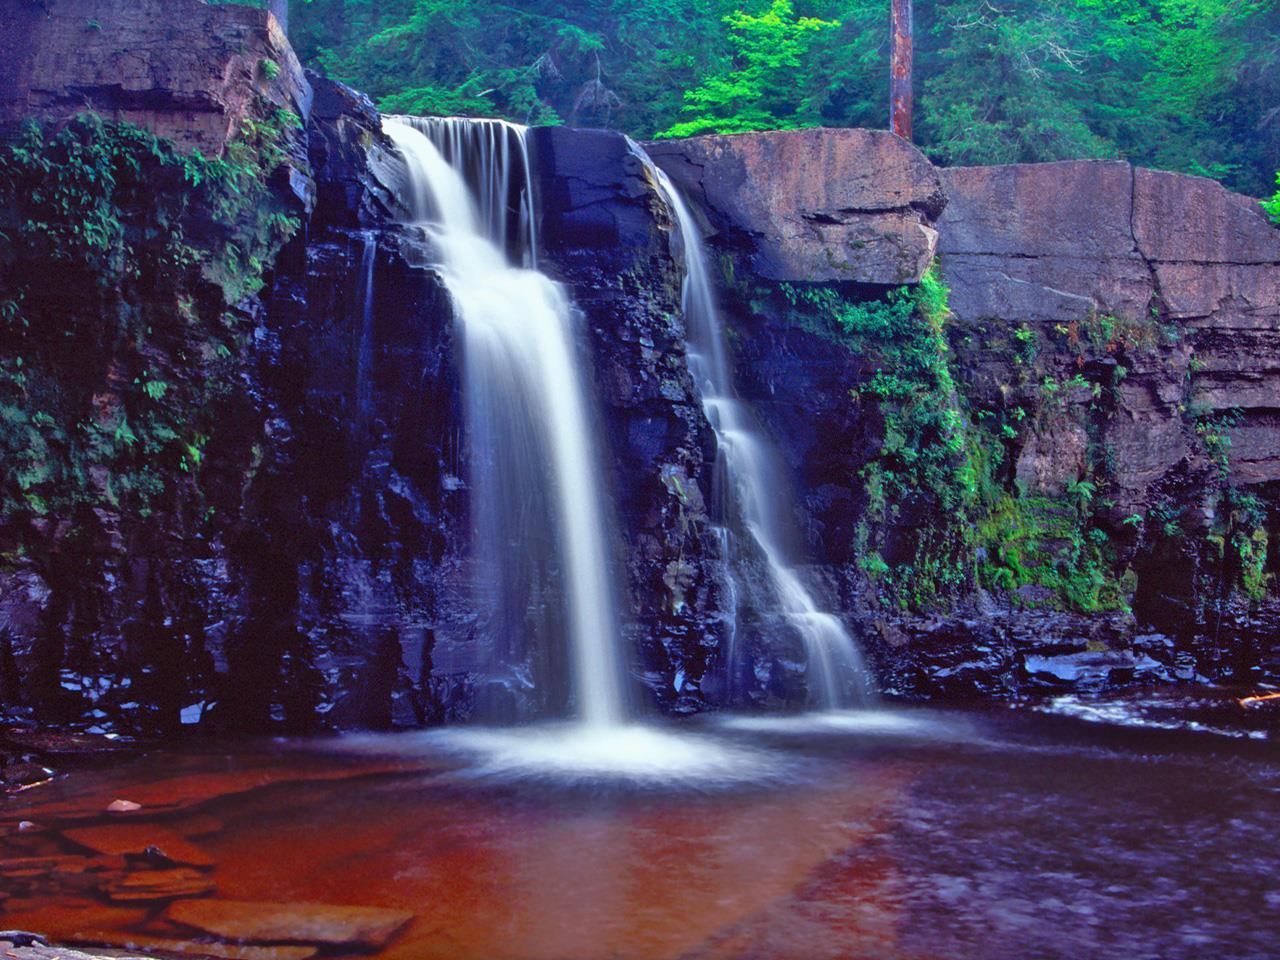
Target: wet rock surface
[[607, 235]]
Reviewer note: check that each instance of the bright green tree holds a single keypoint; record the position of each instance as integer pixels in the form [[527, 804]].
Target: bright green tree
[[759, 91]]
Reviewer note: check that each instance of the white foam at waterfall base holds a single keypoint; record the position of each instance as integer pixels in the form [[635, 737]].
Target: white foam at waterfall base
[[632, 754], [876, 722]]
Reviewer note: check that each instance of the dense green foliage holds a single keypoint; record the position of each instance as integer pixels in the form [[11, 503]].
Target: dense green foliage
[[756, 93], [121, 262], [942, 485], [1190, 85]]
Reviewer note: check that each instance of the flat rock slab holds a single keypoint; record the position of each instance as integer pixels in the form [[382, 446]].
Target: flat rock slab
[[11, 952], [84, 801], [188, 948], [43, 866], [120, 839], [360, 928], [142, 885]]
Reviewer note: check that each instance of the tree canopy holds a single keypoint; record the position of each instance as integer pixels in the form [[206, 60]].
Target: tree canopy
[[1189, 85]]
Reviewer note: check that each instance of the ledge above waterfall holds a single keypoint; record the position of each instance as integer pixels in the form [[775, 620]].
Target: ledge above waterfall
[[814, 205]]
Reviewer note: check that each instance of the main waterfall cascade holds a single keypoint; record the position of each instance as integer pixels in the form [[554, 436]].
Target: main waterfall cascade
[[535, 495], [533, 466], [540, 540], [748, 477]]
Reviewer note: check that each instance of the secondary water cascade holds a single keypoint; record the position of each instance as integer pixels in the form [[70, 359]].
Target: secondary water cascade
[[751, 481], [535, 463]]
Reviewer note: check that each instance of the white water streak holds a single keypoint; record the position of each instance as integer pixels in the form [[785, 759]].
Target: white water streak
[[521, 368], [837, 676]]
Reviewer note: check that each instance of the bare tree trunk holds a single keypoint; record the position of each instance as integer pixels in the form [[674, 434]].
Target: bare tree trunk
[[900, 98]]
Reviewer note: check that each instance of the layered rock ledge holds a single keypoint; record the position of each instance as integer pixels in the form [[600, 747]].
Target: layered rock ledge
[[814, 205]]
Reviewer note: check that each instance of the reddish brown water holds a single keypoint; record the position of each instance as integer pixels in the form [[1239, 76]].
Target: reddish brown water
[[988, 837]]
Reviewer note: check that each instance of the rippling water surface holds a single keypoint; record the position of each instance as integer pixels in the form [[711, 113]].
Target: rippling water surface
[[856, 835]]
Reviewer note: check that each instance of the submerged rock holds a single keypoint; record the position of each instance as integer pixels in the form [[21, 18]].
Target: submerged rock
[[140, 838], [355, 928], [145, 885]]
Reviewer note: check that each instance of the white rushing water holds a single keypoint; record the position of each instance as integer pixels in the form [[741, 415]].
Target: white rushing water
[[528, 418], [837, 676]]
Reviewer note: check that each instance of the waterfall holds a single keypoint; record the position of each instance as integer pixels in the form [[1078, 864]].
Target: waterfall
[[751, 481], [535, 493]]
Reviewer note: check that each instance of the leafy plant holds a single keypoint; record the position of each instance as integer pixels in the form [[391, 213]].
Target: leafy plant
[[1272, 206], [122, 262], [757, 92]]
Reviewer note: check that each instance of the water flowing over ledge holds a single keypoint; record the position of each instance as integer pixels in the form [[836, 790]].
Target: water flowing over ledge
[[534, 460], [753, 507]]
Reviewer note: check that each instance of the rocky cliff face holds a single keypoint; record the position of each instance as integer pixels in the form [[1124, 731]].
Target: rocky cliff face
[[1075, 243], [189, 71], [814, 206], [1162, 290], [119, 526], [1117, 323], [1094, 425]]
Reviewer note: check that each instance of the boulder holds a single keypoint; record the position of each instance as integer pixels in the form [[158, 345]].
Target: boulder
[[814, 205]]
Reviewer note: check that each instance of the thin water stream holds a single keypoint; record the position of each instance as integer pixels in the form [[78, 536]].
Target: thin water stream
[[757, 514]]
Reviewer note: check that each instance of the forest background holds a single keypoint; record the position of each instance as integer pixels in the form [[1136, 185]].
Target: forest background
[[1185, 85]]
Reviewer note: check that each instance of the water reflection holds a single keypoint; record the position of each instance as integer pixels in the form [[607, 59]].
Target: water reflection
[[1028, 840]]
